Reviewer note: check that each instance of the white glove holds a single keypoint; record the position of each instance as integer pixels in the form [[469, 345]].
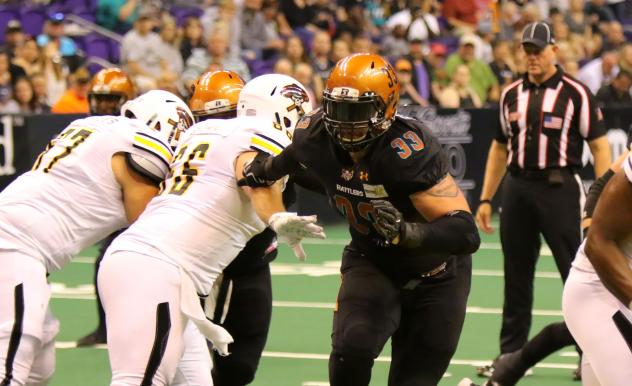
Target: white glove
[[291, 229]]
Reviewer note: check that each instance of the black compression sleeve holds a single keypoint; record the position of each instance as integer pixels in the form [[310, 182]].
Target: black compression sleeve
[[595, 191], [454, 234], [281, 165]]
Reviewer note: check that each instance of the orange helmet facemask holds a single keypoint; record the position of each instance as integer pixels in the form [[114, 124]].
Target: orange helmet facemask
[[360, 99], [215, 95], [109, 89]]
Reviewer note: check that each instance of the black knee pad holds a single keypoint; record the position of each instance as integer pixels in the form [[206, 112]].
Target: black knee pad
[[360, 337]]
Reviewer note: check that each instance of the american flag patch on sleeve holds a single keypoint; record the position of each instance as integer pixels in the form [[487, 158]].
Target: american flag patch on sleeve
[[552, 122]]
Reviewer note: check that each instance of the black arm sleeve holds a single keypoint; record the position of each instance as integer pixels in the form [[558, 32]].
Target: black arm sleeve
[[454, 233], [595, 191], [283, 164]]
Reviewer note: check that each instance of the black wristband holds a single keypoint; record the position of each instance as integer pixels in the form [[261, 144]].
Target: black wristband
[[481, 202]]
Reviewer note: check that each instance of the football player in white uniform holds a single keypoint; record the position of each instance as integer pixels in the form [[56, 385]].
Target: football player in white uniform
[[152, 274], [598, 292], [92, 179]]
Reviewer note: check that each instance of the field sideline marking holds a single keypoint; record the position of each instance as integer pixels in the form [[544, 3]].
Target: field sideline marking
[[290, 355], [85, 292], [332, 268]]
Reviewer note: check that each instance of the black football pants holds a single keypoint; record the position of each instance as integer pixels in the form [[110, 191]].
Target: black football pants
[[247, 319], [531, 207], [424, 322]]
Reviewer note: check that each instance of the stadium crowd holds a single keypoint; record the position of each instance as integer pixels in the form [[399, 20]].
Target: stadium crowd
[[450, 53]]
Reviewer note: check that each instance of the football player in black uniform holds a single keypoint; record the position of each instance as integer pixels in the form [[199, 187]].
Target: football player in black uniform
[[406, 273]]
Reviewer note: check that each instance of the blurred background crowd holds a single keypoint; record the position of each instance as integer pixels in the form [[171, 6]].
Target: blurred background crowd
[[450, 53]]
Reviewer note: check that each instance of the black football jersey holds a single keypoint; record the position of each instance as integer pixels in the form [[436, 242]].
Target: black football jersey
[[406, 159]]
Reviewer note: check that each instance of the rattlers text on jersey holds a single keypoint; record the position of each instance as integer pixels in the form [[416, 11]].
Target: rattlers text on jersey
[[202, 219], [71, 199]]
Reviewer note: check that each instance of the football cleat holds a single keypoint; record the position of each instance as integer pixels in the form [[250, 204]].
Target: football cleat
[[509, 368]]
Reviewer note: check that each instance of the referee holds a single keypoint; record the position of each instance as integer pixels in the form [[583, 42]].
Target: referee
[[545, 118]]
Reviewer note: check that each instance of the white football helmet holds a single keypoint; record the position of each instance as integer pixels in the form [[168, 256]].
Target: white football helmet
[[161, 111], [280, 98]]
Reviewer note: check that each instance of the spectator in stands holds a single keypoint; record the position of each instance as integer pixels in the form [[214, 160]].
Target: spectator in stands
[[255, 39], [420, 72], [395, 44], [613, 38], [277, 26], [56, 72], [192, 37], [362, 43], [625, 57], [598, 13], [425, 25], [13, 71], [461, 15], [509, 16], [304, 73], [576, 19], [599, 71], [223, 15], [24, 95], [294, 50], [297, 12], [170, 60], [7, 104], [323, 16], [140, 53], [38, 80], [117, 15], [283, 66], [13, 36], [320, 54], [567, 58], [435, 63], [530, 13], [75, 99], [352, 23], [408, 94], [55, 34], [503, 66], [482, 79], [28, 56], [215, 56], [459, 93], [340, 49], [617, 93]]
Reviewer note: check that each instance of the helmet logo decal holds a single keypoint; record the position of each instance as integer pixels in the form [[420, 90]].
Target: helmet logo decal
[[345, 92], [298, 97]]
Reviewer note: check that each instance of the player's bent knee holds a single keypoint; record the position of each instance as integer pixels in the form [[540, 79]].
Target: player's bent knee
[[361, 339]]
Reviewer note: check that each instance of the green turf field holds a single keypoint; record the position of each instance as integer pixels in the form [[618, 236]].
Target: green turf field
[[299, 340]]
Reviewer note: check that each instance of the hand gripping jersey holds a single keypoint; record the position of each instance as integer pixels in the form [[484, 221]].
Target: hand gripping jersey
[[71, 199], [406, 159], [581, 261], [202, 219]]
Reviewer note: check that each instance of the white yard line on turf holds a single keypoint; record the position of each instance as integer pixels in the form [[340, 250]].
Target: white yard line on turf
[[293, 355]]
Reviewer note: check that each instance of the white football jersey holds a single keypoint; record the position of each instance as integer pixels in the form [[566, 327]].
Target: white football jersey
[[202, 219], [71, 199], [581, 260]]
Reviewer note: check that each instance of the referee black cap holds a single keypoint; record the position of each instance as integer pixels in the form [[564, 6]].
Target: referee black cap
[[539, 34]]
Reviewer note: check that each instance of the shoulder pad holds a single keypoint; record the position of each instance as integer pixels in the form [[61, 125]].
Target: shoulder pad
[[146, 167]]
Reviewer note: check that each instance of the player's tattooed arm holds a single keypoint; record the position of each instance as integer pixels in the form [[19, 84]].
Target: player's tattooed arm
[[447, 187]]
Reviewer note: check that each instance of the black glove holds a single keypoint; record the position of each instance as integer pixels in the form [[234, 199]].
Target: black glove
[[254, 172], [388, 219]]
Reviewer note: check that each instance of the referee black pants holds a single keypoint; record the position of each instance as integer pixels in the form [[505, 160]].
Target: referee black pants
[[531, 207]]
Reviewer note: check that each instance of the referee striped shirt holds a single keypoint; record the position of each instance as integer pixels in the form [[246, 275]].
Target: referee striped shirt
[[544, 126]]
